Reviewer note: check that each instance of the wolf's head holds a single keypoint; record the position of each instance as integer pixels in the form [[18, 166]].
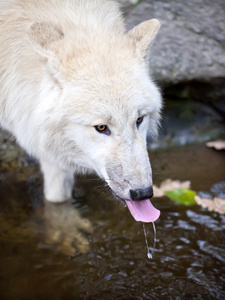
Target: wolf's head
[[107, 103]]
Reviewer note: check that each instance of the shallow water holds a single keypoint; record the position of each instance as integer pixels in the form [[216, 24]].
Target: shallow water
[[188, 261]]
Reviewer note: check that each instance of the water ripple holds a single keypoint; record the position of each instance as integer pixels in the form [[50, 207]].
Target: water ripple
[[205, 220], [216, 252]]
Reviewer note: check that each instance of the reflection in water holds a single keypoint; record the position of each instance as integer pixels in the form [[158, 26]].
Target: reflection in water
[[188, 262]]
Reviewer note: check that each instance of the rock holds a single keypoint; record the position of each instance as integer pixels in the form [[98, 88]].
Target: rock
[[188, 122], [191, 42]]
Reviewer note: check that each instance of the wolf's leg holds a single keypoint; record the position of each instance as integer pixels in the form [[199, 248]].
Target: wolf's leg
[[58, 184], [63, 223], [64, 227]]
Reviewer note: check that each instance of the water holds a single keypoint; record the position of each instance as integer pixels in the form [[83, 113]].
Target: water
[[188, 260], [150, 250]]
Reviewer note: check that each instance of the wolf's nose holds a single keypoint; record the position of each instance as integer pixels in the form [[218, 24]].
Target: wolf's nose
[[141, 194]]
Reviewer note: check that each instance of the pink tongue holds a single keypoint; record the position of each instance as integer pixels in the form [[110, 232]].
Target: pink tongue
[[143, 210]]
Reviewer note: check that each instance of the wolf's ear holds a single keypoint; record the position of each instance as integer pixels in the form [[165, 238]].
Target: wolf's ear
[[45, 37], [143, 34]]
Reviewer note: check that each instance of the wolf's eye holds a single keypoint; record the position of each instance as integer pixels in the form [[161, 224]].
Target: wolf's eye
[[102, 129], [139, 120]]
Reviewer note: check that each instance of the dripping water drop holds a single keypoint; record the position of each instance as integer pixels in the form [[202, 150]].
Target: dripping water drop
[[150, 250]]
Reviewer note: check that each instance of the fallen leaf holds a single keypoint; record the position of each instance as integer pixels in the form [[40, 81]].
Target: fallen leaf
[[219, 205], [182, 195], [169, 185], [180, 192], [216, 204], [218, 144], [157, 192]]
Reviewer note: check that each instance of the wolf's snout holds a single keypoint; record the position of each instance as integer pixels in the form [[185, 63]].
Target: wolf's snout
[[141, 194]]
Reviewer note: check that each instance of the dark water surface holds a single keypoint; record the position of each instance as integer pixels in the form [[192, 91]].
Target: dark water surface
[[188, 262]]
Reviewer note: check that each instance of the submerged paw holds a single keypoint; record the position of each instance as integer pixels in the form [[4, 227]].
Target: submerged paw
[[66, 228]]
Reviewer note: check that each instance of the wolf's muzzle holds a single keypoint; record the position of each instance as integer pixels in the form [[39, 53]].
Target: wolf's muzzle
[[141, 194]]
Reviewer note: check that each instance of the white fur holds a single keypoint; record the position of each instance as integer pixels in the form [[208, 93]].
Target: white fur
[[66, 66]]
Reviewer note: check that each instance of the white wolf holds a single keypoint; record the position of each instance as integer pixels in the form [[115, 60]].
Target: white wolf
[[76, 93]]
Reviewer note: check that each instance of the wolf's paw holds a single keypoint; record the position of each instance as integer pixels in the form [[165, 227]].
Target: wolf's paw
[[65, 227]]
